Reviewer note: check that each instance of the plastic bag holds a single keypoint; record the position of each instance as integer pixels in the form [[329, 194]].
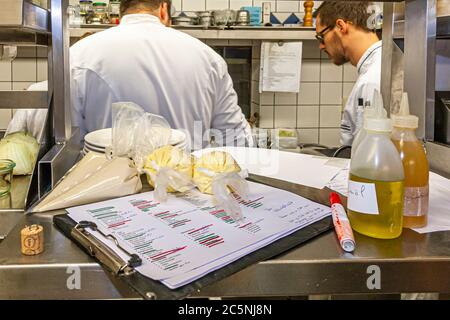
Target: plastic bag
[[125, 117], [169, 169], [221, 185], [152, 132], [217, 173], [212, 163], [136, 133]]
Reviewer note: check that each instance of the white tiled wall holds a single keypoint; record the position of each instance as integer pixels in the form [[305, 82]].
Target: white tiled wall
[[317, 112], [29, 67]]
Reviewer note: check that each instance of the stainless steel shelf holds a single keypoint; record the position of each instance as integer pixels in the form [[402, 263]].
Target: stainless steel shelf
[[235, 33], [20, 14], [23, 23], [16, 99], [442, 28]]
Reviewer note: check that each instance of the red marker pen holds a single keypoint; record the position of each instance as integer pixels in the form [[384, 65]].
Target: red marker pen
[[341, 224]]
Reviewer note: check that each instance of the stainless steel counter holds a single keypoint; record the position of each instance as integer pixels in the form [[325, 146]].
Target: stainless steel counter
[[411, 263]]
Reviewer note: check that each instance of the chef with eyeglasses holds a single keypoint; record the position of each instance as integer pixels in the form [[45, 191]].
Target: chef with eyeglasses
[[345, 32]]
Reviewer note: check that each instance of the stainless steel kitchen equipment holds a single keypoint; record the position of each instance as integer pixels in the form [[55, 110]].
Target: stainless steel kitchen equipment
[[243, 18], [224, 17], [239, 61], [26, 24], [184, 21], [205, 18], [442, 116], [411, 31]]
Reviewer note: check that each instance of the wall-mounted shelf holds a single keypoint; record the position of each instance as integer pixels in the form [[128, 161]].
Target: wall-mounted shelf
[[243, 33], [442, 28], [22, 22]]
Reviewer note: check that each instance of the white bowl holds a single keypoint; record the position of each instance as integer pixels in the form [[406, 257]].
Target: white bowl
[[88, 147], [86, 150], [99, 138]]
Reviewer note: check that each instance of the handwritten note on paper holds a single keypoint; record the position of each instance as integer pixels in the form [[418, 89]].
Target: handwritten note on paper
[[187, 236], [362, 197], [339, 183], [280, 66]]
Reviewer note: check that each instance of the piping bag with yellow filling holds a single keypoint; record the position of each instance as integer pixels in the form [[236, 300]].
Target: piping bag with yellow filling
[[169, 169], [217, 173]]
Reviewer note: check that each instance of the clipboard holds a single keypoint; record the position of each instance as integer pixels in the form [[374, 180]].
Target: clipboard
[[151, 289]]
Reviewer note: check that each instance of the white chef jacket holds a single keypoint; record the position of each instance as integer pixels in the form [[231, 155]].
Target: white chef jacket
[[165, 71], [30, 120], [369, 78]]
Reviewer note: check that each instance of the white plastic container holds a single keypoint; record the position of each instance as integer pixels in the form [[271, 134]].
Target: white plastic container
[[376, 183], [285, 138]]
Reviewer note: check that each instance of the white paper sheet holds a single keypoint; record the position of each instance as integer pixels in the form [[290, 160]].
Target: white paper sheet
[[439, 205], [187, 237], [339, 183], [297, 168], [280, 66], [439, 201]]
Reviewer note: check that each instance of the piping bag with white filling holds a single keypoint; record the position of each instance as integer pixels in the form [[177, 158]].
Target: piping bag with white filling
[[95, 178]]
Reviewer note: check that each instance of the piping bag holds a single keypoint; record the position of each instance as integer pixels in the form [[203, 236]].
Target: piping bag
[[95, 178], [169, 169], [217, 173]]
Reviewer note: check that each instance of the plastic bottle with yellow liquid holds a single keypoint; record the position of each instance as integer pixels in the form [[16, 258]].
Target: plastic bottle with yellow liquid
[[415, 164], [376, 182]]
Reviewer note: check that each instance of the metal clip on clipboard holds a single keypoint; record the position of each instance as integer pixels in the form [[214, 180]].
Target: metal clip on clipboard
[[104, 254]]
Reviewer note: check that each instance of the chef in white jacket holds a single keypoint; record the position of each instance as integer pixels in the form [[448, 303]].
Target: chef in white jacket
[[345, 33], [165, 71]]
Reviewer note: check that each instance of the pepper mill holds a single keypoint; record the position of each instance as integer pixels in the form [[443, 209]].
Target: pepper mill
[[308, 19]]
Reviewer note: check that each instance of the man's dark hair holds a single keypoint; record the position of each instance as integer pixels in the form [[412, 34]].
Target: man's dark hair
[[355, 11], [126, 5]]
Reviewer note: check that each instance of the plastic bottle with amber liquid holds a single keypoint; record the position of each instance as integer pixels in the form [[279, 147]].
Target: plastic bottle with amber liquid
[[376, 182], [415, 164]]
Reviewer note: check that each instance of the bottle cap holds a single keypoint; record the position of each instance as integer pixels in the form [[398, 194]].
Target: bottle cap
[[377, 118], [403, 119], [334, 198]]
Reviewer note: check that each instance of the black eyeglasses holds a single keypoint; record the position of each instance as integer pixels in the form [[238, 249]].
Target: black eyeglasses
[[320, 36]]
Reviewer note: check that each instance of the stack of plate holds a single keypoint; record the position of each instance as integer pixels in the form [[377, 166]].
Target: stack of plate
[[98, 141]]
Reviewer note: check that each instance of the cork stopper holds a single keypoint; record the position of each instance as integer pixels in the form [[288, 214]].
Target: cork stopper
[[32, 240]]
